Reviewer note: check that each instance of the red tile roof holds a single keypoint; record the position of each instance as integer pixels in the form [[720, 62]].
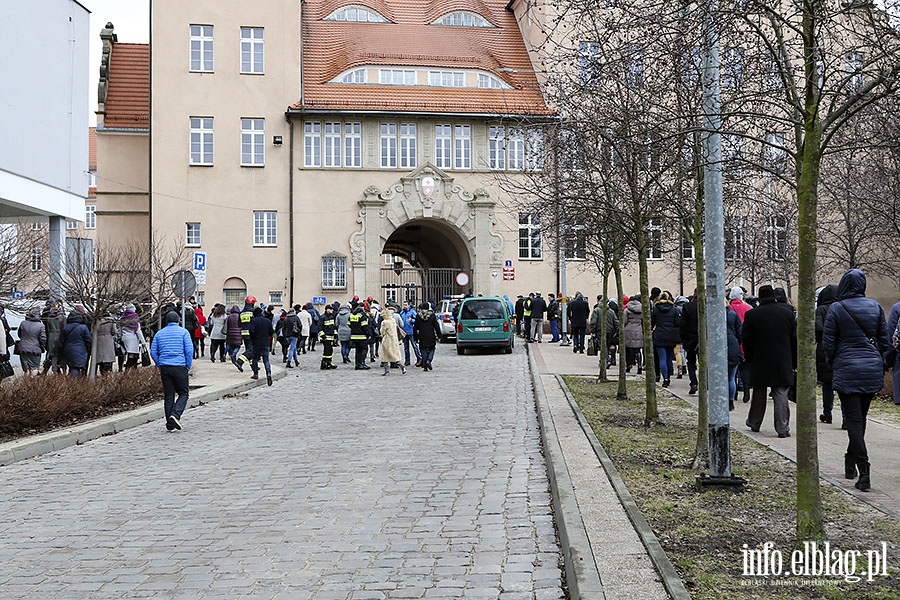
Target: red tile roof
[[330, 48], [128, 96]]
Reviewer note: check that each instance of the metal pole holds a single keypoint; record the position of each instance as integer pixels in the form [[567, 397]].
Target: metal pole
[[714, 248]]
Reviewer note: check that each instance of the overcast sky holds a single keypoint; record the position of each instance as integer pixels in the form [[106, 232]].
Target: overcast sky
[[132, 21]]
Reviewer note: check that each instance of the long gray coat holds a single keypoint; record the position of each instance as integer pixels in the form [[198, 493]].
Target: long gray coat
[[634, 335], [106, 335]]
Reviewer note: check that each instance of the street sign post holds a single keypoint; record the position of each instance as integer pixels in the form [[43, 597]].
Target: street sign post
[[200, 267]]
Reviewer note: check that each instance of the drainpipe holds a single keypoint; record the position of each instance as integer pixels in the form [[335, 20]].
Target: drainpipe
[[291, 206]]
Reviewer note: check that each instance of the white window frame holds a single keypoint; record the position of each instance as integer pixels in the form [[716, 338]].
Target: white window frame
[[462, 146], [489, 82], [202, 134], [775, 152], [355, 76], [853, 67], [497, 148], [37, 259], [575, 241], [399, 147], [90, 216], [408, 145], [462, 18], [356, 14], [588, 56], [530, 240], [37, 225], [776, 237], [635, 71], [200, 297], [253, 61], [71, 224], [334, 272], [353, 144], [687, 247], [654, 237], [233, 296], [443, 145], [332, 144], [515, 149], [276, 298], [312, 144], [735, 244], [202, 49], [454, 79], [331, 148], [265, 228], [192, 235], [396, 77], [253, 142]]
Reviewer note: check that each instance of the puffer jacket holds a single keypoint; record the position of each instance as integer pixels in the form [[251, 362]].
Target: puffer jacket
[[233, 327], [666, 320], [172, 347], [76, 340], [291, 327], [343, 324], [32, 335], [826, 298], [634, 335], [856, 351]]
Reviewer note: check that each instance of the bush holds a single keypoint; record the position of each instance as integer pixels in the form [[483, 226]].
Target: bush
[[30, 405]]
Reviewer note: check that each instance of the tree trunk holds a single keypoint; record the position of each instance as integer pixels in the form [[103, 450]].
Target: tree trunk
[[92, 359], [651, 413], [622, 393], [602, 348], [701, 454]]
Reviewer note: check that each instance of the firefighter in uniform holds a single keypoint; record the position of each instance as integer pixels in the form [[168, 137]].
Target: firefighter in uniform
[[359, 336], [327, 335], [246, 315], [527, 314]]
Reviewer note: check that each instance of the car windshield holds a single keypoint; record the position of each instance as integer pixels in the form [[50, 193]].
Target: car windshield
[[483, 309]]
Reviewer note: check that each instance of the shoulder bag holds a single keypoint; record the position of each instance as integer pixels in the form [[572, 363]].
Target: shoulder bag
[[145, 356], [6, 369], [870, 339]]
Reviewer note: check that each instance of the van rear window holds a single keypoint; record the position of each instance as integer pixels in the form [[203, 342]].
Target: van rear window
[[483, 309]]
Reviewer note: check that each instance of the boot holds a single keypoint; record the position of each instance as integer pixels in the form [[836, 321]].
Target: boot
[[323, 365], [849, 467], [403, 369], [386, 367], [863, 482]]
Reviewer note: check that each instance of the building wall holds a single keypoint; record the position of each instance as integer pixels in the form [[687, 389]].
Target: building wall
[[122, 205], [45, 105]]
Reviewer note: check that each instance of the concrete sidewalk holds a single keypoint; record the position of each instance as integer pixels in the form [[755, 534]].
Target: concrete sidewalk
[[882, 438]]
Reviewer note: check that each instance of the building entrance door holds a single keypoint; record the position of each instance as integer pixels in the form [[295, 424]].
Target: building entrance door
[[420, 284]]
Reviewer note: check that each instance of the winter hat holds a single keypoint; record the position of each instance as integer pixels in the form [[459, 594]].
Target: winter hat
[[423, 306], [766, 294], [781, 295], [737, 293], [172, 317]]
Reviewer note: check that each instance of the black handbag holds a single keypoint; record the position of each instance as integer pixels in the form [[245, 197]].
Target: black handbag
[[6, 369], [145, 357]]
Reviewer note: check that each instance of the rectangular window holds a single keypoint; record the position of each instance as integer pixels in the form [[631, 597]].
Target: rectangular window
[[389, 145], [575, 239], [398, 139], [854, 69], [312, 144], [589, 63], [462, 147], [253, 142], [497, 148], [732, 68], [71, 224], [90, 217], [734, 238], [515, 150], [352, 144], [37, 259], [446, 79], [687, 247], [252, 50], [334, 273], [774, 152], [202, 141], [654, 239], [202, 48], [396, 77], [529, 236], [332, 144], [534, 150], [192, 234], [234, 296], [634, 65], [443, 142], [200, 297], [489, 82], [407, 145], [37, 226], [276, 298], [265, 228], [776, 237]]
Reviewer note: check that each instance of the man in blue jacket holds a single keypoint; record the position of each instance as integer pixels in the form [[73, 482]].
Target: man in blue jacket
[[173, 352]]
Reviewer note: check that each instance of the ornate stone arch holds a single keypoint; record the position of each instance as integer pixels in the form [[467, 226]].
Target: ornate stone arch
[[426, 193]]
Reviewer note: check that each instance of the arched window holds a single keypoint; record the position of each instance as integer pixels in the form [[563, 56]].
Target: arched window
[[354, 76], [356, 14], [463, 18]]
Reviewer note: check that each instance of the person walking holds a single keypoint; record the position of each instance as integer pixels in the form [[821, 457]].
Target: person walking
[[770, 347], [172, 351], [734, 334], [390, 342], [328, 336], [553, 317], [290, 329], [858, 348], [246, 315], [313, 335], [359, 336], [32, 342], [76, 342], [261, 331], [634, 334], [538, 309], [375, 319], [666, 321], [826, 298], [200, 333], [408, 316], [107, 332], [342, 321], [217, 326], [578, 309], [892, 322], [426, 332], [690, 340], [526, 314], [519, 310], [54, 320], [234, 338], [305, 319], [131, 335]]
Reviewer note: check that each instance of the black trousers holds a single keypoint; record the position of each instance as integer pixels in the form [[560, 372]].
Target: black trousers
[[856, 408], [362, 350]]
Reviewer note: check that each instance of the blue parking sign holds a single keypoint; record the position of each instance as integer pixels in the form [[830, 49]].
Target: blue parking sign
[[319, 300], [199, 261]]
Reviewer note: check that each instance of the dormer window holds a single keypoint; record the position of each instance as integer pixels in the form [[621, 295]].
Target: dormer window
[[354, 76], [491, 82], [356, 14], [463, 18]]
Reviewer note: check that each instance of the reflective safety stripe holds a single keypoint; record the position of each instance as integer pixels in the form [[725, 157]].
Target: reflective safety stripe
[[328, 323]]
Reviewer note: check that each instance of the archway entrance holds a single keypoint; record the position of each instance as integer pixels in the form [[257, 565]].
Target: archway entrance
[[429, 255]]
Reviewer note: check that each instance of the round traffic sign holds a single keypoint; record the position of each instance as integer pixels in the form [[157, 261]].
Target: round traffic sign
[[183, 283], [462, 279]]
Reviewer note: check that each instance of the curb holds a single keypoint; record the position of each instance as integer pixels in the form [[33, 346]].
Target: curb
[[52, 441], [582, 577], [670, 579]]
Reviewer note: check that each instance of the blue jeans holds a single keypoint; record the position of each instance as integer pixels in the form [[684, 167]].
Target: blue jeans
[[427, 354], [262, 353], [732, 383], [292, 349], [174, 381], [554, 330], [578, 337], [407, 342], [666, 356], [345, 348]]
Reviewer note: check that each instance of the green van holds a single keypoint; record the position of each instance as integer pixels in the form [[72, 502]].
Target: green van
[[483, 323]]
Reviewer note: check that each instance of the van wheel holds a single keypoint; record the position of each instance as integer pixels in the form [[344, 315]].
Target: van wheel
[[460, 350]]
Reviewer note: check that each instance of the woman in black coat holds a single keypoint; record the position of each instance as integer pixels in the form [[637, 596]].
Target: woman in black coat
[[856, 342], [735, 356], [426, 333], [666, 322], [823, 370]]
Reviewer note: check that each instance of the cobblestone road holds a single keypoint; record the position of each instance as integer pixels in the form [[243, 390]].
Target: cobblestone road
[[336, 484]]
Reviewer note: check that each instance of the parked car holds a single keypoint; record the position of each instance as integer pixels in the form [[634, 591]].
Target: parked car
[[484, 323], [446, 316]]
